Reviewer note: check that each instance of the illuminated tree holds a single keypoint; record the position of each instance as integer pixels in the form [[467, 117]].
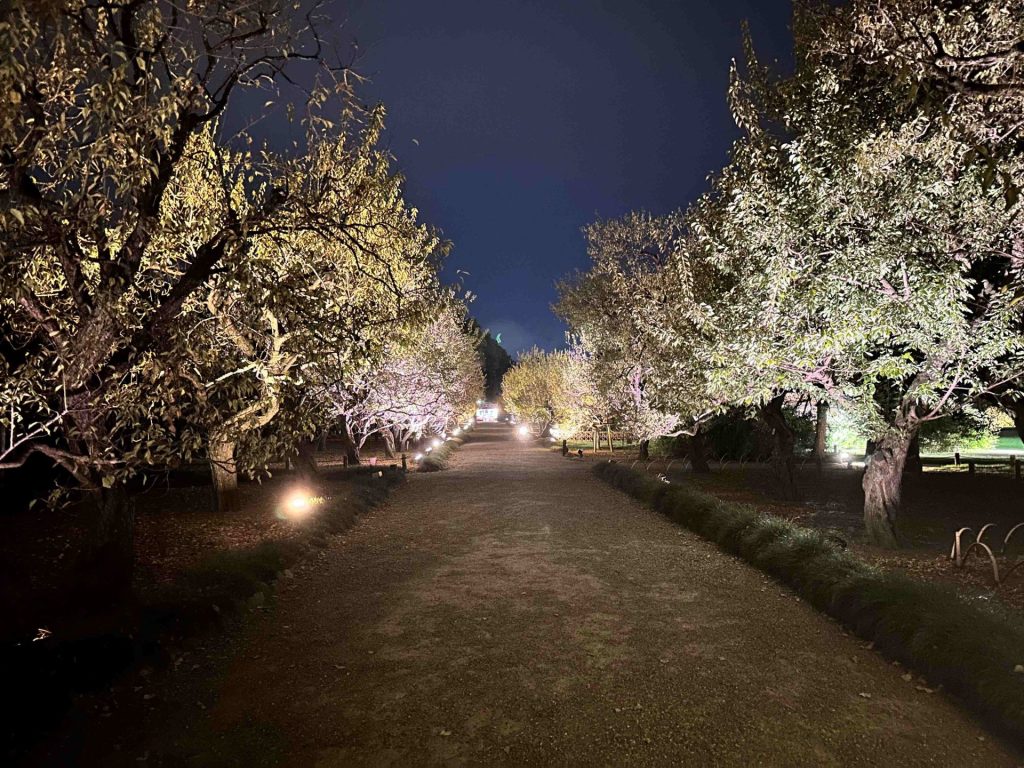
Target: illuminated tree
[[612, 309], [552, 390], [871, 258], [958, 62], [340, 272], [425, 384], [101, 103]]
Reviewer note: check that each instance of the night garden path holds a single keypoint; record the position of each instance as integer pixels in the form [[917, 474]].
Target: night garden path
[[515, 610]]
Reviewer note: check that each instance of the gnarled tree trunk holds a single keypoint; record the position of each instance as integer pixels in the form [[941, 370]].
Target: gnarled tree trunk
[[783, 442], [224, 471], [883, 487]]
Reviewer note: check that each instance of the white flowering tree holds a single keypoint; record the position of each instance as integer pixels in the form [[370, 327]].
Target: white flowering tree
[[427, 383]]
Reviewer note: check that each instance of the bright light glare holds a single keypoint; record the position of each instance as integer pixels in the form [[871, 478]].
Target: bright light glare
[[299, 503], [556, 433], [844, 456], [524, 431], [458, 431], [436, 443], [418, 457]]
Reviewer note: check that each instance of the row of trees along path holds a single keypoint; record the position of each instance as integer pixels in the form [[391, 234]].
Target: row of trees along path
[[515, 610]]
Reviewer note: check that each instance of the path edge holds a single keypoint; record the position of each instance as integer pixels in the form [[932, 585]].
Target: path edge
[[974, 651]]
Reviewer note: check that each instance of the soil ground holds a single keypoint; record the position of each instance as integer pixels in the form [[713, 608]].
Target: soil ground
[[516, 611], [43, 583]]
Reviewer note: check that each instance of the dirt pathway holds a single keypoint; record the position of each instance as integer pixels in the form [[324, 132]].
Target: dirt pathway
[[515, 611]]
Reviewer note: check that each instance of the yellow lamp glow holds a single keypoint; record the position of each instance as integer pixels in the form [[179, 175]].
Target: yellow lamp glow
[[299, 503]]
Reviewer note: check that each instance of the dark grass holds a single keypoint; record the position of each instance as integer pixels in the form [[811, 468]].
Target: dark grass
[[968, 647], [41, 679], [438, 458]]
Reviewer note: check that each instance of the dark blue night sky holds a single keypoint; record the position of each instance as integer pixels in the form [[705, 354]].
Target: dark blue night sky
[[534, 118]]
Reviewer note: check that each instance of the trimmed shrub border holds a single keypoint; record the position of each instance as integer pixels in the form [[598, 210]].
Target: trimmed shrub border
[[44, 677], [438, 458], [973, 650]]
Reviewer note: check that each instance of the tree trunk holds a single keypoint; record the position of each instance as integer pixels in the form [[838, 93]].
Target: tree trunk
[[914, 463], [389, 442], [348, 441], [821, 434], [305, 460], [783, 442], [224, 472], [645, 450], [109, 561], [1016, 410], [883, 487], [697, 451]]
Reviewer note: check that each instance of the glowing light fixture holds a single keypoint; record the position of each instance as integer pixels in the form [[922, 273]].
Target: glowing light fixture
[[524, 431], [299, 503]]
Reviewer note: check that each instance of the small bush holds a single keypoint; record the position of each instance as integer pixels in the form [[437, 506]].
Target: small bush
[[438, 458], [969, 648]]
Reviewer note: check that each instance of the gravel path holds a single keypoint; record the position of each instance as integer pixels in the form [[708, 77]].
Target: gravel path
[[516, 611]]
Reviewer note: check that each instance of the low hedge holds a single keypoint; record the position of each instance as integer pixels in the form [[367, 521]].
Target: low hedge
[[438, 458], [972, 649]]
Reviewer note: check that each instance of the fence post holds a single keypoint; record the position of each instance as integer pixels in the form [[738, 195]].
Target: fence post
[[970, 467], [611, 447], [956, 459], [405, 465]]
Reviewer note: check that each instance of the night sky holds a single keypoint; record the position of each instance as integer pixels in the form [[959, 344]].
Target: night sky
[[534, 117]]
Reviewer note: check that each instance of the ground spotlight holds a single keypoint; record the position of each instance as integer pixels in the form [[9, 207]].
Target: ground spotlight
[[524, 431], [299, 503]]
